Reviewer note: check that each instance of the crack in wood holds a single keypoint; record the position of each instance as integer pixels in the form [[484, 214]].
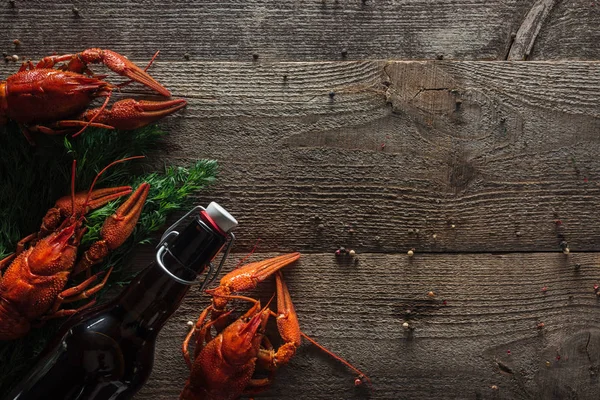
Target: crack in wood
[[586, 348], [522, 44], [504, 368], [431, 89]]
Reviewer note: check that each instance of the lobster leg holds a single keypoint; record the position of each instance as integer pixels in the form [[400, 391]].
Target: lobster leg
[[77, 293], [5, 262], [185, 347], [116, 229], [201, 329], [81, 291], [256, 385], [23, 242], [68, 313], [58, 127]]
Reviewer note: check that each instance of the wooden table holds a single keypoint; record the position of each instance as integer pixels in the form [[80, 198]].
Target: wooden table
[[467, 131]]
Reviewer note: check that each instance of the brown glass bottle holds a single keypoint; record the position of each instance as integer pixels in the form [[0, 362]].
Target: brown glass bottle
[[107, 352]]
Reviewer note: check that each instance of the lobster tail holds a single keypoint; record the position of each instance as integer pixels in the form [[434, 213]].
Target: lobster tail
[[12, 324]]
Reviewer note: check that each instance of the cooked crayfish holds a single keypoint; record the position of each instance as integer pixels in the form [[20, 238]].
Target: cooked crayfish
[[45, 99], [224, 366], [32, 287]]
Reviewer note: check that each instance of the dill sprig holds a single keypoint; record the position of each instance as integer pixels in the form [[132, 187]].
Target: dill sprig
[[33, 178]]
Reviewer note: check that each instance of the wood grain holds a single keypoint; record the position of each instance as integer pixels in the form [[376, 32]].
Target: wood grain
[[569, 32], [307, 30], [485, 306], [387, 156]]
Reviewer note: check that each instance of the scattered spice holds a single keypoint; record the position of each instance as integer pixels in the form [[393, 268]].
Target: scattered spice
[[431, 294], [540, 325], [410, 253], [564, 246]]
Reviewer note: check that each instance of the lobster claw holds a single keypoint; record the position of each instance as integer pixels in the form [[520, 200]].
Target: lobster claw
[[116, 229], [64, 206], [248, 276], [287, 319], [113, 60], [131, 114], [119, 64]]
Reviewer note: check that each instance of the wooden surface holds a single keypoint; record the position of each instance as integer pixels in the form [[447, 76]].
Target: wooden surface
[[483, 167], [232, 30]]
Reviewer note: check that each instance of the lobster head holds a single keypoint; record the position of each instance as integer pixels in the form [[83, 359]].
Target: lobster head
[[3, 104], [241, 339], [56, 250]]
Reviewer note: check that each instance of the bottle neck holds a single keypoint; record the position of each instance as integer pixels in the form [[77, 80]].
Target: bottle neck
[[153, 295]]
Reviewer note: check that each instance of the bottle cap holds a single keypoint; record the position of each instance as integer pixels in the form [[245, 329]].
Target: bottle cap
[[221, 217]]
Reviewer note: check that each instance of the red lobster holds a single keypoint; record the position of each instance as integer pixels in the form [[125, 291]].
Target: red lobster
[[53, 101], [32, 287], [224, 366]]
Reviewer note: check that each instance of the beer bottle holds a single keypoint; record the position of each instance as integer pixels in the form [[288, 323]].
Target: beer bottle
[[107, 352]]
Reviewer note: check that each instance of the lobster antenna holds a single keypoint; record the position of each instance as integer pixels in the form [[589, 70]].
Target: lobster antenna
[[249, 254], [87, 199], [73, 169], [269, 303], [95, 116], [361, 374]]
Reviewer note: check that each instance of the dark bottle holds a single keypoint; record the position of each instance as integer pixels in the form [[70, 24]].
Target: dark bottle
[[107, 352]]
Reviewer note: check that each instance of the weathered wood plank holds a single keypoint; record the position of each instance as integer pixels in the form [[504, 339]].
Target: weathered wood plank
[[296, 31], [476, 156], [570, 31], [485, 306]]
